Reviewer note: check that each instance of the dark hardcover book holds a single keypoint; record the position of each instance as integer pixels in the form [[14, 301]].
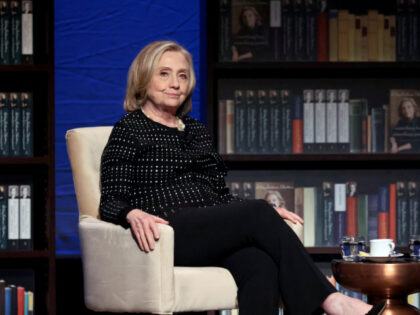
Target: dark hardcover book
[[288, 31], [351, 208], [248, 190], [322, 31], [221, 111], [339, 212], [13, 217], [413, 209], [355, 121], [319, 218], [5, 32], [252, 121], [311, 29], [275, 28], [27, 32], [299, 41], [320, 121], [2, 287], [364, 126], [240, 117], [328, 214], [4, 124], [13, 299], [264, 132], [373, 203], [378, 130], [275, 121], [413, 30], [383, 212], [225, 50], [15, 125], [402, 30], [16, 23], [297, 133], [287, 121], [25, 218], [308, 121], [3, 217], [343, 121], [402, 214], [27, 124], [362, 216], [251, 36], [331, 122], [230, 138]]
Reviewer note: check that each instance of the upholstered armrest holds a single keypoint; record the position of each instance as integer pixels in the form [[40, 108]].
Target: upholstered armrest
[[118, 276]]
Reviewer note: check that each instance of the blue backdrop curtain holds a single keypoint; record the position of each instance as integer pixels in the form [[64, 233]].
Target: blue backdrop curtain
[[95, 42]]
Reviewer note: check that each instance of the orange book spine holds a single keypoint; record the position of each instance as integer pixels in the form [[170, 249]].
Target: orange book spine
[[383, 225], [351, 219], [393, 212], [297, 136], [20, 301]]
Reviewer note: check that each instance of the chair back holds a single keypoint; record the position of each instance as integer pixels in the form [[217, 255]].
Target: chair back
[[85, 147]]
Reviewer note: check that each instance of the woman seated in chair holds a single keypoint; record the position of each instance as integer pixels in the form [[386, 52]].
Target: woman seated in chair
[[160, 166]]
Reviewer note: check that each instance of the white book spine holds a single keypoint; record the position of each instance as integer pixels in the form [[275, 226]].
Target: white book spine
[[339, 197], [25, 212], [27, 28], [13, 213], [343, 117], [308, 117], [320, 116], [332, 134]]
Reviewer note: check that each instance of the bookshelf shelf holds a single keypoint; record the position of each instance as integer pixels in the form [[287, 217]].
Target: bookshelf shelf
[[10, 255], [24, 68], [42, 160]]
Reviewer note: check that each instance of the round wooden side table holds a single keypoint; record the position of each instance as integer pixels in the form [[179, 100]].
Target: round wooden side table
[[392, 282]]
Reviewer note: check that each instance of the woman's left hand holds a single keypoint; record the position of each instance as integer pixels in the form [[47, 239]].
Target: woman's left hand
[[286, 214]]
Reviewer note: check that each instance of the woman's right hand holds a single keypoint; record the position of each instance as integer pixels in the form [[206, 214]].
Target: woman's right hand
[[144, 227]]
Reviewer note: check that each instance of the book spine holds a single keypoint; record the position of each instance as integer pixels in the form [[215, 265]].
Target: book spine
[[333, 35], [383, 212], [373, 201], [309, 216], [328, 214], [378, 130], [16, 18], [373, 35], [20, 301], [286, 132], [27, 124], [4, 124], [275, 121], [339, 212], [310, 30], [402, 30], [222, 126], [299, 26], [3, 217], [320, 121], [26, 303], [240, 122], [5, 32], [364, 126], [402, 214], [386, 47], [331, 123], [343, 35], [413, 209], [14, 299], [7, 300], [413, 24], [351, 209], [13, 217], [393, 212], [298, 125], [230, 137], [380, 32], [31, 303], [288, 30], [322, 36], [351, 34], [365, 38], [251, 121], [343, 121], [319, 217], [358, 38], [362, 216], [308, 121], [27, 32], [224, 30], [355, 122], [15, 125], [275, 28], [264, 122], [393, 38], [25, 217], [299, 204]]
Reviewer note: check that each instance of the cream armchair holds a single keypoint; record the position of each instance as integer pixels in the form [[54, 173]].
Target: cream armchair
[[118, 276]]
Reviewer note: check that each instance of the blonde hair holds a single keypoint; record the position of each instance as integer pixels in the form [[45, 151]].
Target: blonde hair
[[141, 72]]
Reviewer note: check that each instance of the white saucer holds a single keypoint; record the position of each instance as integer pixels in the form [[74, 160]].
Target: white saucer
[[381, 258]]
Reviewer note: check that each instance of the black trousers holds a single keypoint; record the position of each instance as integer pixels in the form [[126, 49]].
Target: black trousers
[[264, 255]]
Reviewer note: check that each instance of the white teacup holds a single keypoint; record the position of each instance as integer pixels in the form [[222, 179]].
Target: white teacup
[[383, 247]]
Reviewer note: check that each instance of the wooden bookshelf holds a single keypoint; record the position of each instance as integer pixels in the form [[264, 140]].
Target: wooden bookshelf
[[37, 78], [402, 74]]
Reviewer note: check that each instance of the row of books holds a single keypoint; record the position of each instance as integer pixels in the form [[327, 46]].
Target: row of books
[[317, 121], [333, 210], [16, 217], [308, 30], [16, 32], [16, 124], [16, 299]]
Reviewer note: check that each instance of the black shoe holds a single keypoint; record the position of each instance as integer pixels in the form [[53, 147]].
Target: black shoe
[[377, 309]]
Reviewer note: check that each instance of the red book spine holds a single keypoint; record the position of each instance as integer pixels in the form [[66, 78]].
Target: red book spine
[[383, 225], [297, 136], [393, 212], [322, 36], [20, 301], [351, 219]]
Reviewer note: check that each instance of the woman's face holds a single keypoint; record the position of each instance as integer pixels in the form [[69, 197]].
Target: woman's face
[[248, 18], [169, 84], [407, 110]]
